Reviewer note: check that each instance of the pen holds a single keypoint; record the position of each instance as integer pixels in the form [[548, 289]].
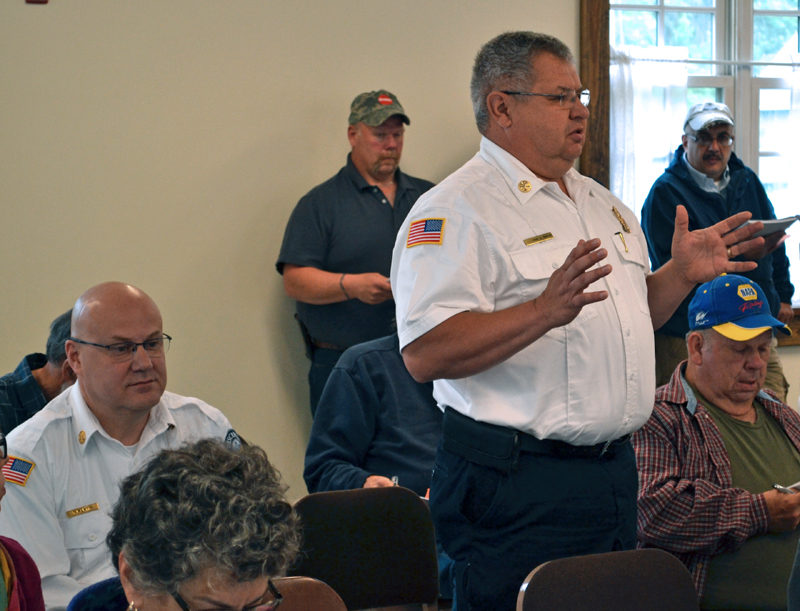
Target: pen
[[622, 237], [783, 489], [396, 479]]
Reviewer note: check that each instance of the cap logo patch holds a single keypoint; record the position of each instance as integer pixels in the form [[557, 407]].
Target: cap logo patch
[[747, 292], [384, 99], [700, 319]]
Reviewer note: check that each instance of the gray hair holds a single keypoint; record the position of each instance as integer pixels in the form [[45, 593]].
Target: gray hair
[[706, 334], [59, 334], [203, 506], [505, 63]]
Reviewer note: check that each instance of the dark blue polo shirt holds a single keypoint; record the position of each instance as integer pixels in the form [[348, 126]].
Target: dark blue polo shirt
[[345, 225]]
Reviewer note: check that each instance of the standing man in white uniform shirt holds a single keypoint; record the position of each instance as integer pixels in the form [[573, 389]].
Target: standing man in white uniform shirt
[[67, 461], [542, 381]]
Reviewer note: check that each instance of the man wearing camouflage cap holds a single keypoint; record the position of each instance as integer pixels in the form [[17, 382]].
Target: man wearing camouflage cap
[[712, 183], [337, 248]]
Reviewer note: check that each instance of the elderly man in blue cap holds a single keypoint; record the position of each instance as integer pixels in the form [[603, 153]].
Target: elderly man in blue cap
[[719, 459]]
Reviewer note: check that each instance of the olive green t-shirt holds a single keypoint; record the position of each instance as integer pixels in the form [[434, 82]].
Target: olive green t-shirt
[[756, 575]]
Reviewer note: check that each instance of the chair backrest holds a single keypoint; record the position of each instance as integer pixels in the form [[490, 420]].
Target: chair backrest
[[374, 546], [307, 594], [648, 579]]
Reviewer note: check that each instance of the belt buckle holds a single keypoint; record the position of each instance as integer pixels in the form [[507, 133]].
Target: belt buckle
[[605, 448]]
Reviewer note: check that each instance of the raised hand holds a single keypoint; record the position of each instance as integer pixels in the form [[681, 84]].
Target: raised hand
[[565, 294], [703, 254]]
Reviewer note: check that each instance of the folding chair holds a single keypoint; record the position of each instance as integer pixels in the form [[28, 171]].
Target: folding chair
[[635, 580], [374, 546], [307, 594]]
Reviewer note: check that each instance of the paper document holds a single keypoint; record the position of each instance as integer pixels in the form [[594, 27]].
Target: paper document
[[774, 225]]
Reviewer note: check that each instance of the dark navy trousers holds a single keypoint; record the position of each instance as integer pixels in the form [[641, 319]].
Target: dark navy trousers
[[497, 527]]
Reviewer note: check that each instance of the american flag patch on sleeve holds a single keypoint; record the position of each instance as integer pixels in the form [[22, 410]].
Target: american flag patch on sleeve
[[17, 470], [426, 231]]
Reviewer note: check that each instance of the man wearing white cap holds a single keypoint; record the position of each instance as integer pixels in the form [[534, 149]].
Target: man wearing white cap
[[712, 183], [712, 452]]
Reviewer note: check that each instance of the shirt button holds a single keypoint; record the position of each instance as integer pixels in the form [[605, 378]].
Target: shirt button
[[383, 200], [92, 537], [631, 377], [628, 333], [555, 265], [616, 291]]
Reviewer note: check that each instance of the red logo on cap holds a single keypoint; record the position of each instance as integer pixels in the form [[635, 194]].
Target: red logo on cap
[[750, 305], [384, 99]]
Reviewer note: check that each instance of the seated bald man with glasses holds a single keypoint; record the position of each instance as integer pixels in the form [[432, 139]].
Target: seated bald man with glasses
[[708, 178], [67, 461]]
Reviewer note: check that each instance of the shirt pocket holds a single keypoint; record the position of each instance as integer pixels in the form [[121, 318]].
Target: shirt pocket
[[635, 264], [536, 265], [83, 536]]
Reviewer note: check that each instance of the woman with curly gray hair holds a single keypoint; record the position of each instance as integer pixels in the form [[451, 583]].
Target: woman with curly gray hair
[[201, 527]]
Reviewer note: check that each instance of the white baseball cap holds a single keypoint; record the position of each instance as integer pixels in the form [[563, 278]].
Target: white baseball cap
[[704, 114]]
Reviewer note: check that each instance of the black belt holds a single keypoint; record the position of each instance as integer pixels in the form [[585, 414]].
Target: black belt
[[497, 446]]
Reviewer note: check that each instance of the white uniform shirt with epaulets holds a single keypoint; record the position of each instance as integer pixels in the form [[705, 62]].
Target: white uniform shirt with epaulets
[[60, 511], [503, 233]]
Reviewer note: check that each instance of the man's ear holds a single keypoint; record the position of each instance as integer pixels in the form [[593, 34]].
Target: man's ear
[[67, 374], [694, 345], [497, 105], [685, 141], [73, 357], [352, 134]]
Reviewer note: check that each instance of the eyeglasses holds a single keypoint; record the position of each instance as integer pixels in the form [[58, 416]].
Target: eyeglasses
[[566, 99], [704, 139], [269, 606], [124, 351]]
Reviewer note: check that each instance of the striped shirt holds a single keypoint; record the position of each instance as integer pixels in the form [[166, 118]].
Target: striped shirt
[[687, 503]]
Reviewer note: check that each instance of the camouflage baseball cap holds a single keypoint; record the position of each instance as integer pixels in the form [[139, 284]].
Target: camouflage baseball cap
[[374, 107]]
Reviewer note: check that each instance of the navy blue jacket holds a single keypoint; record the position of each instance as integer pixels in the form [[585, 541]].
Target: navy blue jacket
[[373, 419], [743, 193]]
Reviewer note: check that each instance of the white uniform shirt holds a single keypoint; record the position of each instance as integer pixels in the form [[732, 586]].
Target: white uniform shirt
[[77, 465], [590, 381]]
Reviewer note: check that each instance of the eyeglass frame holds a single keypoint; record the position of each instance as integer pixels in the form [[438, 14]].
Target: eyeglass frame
[[698, 140], [558, 96], [135, 345], [270, 587]]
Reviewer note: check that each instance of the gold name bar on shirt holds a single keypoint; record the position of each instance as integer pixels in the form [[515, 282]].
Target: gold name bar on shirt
[[538, 239], [81, 510]]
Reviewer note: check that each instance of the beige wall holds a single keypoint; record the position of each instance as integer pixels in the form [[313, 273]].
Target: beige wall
[[165, 142]]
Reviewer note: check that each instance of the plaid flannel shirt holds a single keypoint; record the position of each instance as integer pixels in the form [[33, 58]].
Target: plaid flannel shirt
[[20, 395], [687, 504]]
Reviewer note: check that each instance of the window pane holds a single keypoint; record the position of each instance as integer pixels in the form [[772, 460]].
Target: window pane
[[697, 95], [774, 39], [646, 2], [777, 164], [694, 31], [774, 108], [701, 3], [776, 5], [637, 28]]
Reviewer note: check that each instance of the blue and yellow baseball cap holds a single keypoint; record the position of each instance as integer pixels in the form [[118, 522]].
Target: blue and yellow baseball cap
[[733, 306]]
